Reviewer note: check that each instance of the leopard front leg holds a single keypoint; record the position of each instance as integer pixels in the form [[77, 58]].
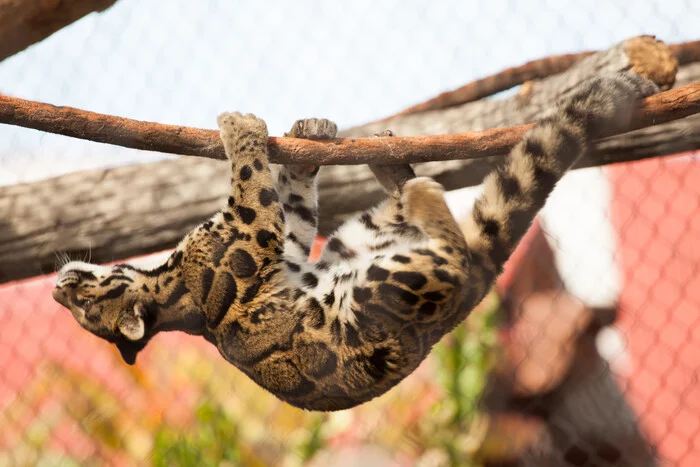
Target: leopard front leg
[[239, 250], [296, 184]]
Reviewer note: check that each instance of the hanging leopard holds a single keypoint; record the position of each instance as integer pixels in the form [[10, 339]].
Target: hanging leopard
[[389, 284]]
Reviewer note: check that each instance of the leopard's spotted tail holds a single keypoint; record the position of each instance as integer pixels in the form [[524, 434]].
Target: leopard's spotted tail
[[516, 191]]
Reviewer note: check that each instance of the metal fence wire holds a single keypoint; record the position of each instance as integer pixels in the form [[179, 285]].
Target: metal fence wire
[[586, 354]]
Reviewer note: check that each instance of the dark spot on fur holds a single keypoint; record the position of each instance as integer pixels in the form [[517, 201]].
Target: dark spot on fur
[[397, 297], [247, 215], [267, 196], [304, 213], [317, 318], [225, 292], [251, 291], [293, 266], [264, 237], [293, 238], [207, 280], [427, 309], [546, 180], [352, 338], [534, 149], [366, 220], [378, 364], [295, 198], [309, 280], [510, 186], [520, 220], [444, 276], [113, 293], [343, 278], [382, 246], [257, 164], [335, 331], [118, 277], [246, 172], [433, 296], [228, 217], [401, 259], [242, 263], [329, 298], [336, 245], [298, 293], [491, 228], [375, 273], [406, 230], [412, 279], [361, 294], [578, 116]]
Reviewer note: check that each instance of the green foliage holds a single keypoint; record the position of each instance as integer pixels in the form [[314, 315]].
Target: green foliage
[[211, 440], [465, 358]]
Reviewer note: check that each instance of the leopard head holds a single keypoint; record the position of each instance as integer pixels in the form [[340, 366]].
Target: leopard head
[[106, 301]]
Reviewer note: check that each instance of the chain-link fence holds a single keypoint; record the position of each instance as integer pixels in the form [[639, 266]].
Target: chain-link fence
[[587, 354]]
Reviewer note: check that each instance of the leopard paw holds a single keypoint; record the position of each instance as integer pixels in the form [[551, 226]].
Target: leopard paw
[[313, 128], [235, 126]]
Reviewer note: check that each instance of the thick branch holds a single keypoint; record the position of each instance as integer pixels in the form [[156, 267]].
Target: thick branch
[[25, 22], [660, 108]]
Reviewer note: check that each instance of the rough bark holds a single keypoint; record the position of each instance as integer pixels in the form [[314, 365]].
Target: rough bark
[[25, 22], [127, 211]]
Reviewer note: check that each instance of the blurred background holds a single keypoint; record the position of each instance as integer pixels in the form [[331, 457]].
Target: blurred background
[[587, 353]]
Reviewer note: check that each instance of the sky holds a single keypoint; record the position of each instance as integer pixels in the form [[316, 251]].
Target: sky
[[184, 62]]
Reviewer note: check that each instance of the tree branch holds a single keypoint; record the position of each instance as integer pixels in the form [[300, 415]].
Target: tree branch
[[685, 53], [656, 109], [25, 22]]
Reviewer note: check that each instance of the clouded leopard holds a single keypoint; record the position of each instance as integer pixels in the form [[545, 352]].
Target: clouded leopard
[[389, 284]]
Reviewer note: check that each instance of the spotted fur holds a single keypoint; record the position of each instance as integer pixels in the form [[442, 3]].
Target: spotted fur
[[390, 283]]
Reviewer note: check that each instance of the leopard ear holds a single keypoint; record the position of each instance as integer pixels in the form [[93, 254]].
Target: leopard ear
[[131, 323]]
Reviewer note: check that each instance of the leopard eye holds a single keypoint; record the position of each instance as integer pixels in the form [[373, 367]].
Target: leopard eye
[[87, 304]]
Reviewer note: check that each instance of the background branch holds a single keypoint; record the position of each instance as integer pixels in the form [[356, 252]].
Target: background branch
[[25, 22], [686, 52]]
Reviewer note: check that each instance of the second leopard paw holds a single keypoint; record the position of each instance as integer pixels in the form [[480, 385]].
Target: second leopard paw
[[313, 128]]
